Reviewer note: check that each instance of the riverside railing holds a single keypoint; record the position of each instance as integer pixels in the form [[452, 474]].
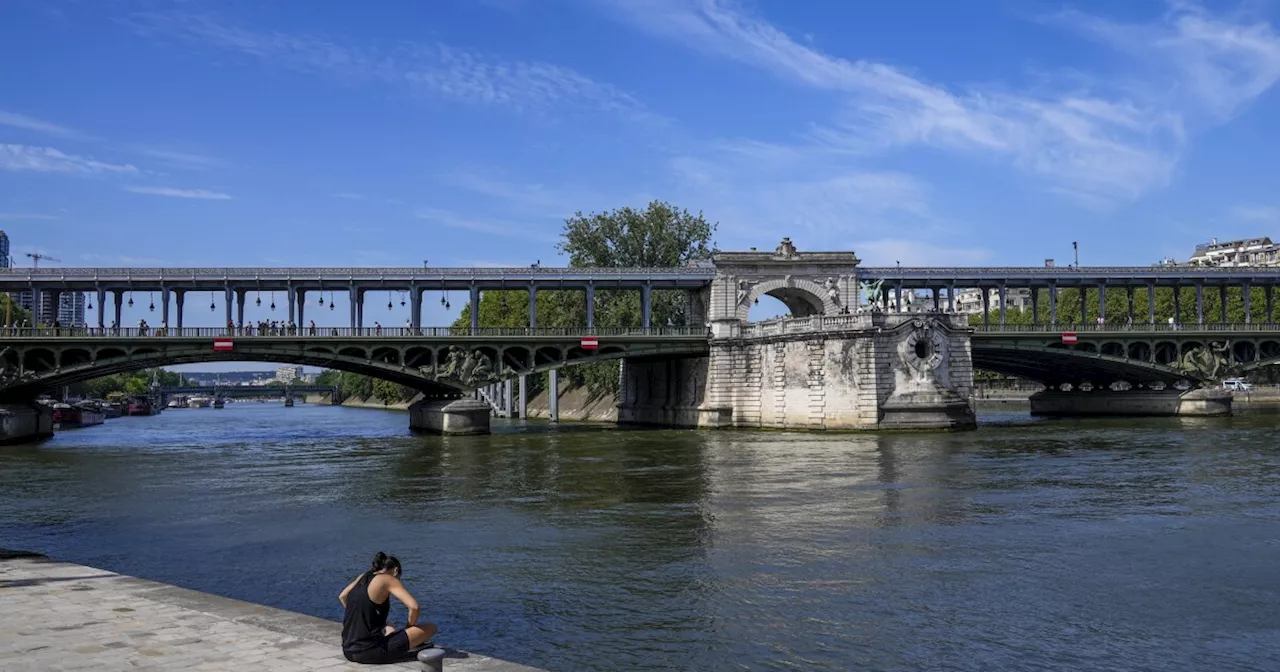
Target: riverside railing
[[349, 332]]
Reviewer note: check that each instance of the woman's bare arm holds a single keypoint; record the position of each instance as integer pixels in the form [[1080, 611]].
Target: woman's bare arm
[[405, 598], [342, 597]]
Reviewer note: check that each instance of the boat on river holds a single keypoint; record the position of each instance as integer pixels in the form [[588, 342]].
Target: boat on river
[[141, 406], [72, 416], [199, 402], [219, 402]]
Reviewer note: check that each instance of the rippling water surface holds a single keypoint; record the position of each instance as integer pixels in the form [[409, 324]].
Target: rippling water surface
[[1066, 545]]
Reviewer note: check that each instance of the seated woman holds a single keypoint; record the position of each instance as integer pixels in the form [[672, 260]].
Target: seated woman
[[366, 637]]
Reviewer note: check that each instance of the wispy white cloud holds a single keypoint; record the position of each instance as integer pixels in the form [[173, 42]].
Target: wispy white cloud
[[1256, 213], [15, 120], [20, 158], [178, 159], [436, 69], [25, 216], [181, 193], [494, 227], [1101, 143]]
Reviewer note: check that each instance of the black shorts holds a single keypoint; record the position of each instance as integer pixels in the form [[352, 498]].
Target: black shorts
[[393, 649]]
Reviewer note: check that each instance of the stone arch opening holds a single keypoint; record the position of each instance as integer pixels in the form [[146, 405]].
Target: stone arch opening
[[1140, 351], [802, 298], [1244, 351], [1113, 349]]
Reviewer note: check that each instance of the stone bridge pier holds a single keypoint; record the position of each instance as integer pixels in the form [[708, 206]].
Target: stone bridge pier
[[831, 366]]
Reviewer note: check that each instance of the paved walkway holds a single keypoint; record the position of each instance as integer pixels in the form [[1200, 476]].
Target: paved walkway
[[125, 623]]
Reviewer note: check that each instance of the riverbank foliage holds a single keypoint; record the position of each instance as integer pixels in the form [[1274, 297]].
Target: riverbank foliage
[[357, 386], [135, 384]]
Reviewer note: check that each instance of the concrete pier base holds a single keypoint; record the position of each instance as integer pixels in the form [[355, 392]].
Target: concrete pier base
[[452, 417], [936, 409], [24, 423], [1203, 403]]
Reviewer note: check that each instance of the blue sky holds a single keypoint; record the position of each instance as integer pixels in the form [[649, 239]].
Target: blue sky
[[140, 132]]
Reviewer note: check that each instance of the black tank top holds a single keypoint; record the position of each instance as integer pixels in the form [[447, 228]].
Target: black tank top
[[363, 620]]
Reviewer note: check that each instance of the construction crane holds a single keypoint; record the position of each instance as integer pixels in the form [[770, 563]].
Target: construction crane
[[36, 257]]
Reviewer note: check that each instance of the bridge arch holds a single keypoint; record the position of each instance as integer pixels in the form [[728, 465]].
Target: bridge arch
[[801, 296], [1054, 365]]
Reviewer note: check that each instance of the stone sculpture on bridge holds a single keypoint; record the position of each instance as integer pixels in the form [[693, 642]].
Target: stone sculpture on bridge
[[469, 368], [1207, 363]]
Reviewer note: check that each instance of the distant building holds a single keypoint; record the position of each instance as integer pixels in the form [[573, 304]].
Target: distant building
[[970, 300], [5, 261], [71, 307], [1246, 252], [289, 374]]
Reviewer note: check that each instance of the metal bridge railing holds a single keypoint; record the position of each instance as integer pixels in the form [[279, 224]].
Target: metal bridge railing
[[1128, 328], [349, 332]]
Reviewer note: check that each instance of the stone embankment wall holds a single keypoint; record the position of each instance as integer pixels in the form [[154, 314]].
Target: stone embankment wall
[[23, 423], [364, 403]]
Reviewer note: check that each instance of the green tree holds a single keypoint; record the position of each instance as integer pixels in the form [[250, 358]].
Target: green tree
[[661, 235]]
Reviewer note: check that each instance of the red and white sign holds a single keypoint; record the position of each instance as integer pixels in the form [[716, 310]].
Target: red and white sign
[[223, 345], [590, 343], [1069, 338]]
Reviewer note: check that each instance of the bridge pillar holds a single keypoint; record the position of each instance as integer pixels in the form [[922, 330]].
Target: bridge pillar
[[352, 293], [591, 307], [1084, 304], [1003, 303], [951, 298], [292, 300], [101, 309], [360, 309], [986, 306], [524, 397], [937, 298], [475, 309], [241, 295], [1222, 303], [228, 295], [1246, 290], [302, 304], [164, 307], [1267, 295], [179, 298], [1177, 304], [119, 307], [646, 305], [1035, 306], [415, 307], [1129, 296], [508, 400], [1053, 303], [553, 395], [866, 371]]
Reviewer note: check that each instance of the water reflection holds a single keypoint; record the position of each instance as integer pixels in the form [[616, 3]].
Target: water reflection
[[1027, 545]]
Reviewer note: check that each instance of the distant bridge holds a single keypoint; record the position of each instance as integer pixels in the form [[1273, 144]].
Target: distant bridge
[[248, 390]]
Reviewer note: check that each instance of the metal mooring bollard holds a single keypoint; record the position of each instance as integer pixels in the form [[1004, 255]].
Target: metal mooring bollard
[[432, 660]]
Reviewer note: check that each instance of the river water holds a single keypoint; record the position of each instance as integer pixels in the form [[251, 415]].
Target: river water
[[1026, 545]]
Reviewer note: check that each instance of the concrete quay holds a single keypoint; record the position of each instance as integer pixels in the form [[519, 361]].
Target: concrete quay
[[62, 616]]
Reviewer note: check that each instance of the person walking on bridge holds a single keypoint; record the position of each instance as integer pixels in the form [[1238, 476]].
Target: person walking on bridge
[[366, 601]]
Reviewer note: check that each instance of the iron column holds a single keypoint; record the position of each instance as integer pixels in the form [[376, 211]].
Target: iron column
[[1035, 306], [351, 308], [293, 304], [475, 310], [179, 298], [164, 308], [591, 307], [986, 306], [1177, 304], [1222, 303], [302, 303], [1084, 304], [101, 309], [228, 294], [553, 395], [533, 306], [415, 307], [646, 305], [951, 298], [119, 306], [524, 397], [1267, 291], [897, 298], [240, 297], [1003, 303], [1129, 296], [937, 299]]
